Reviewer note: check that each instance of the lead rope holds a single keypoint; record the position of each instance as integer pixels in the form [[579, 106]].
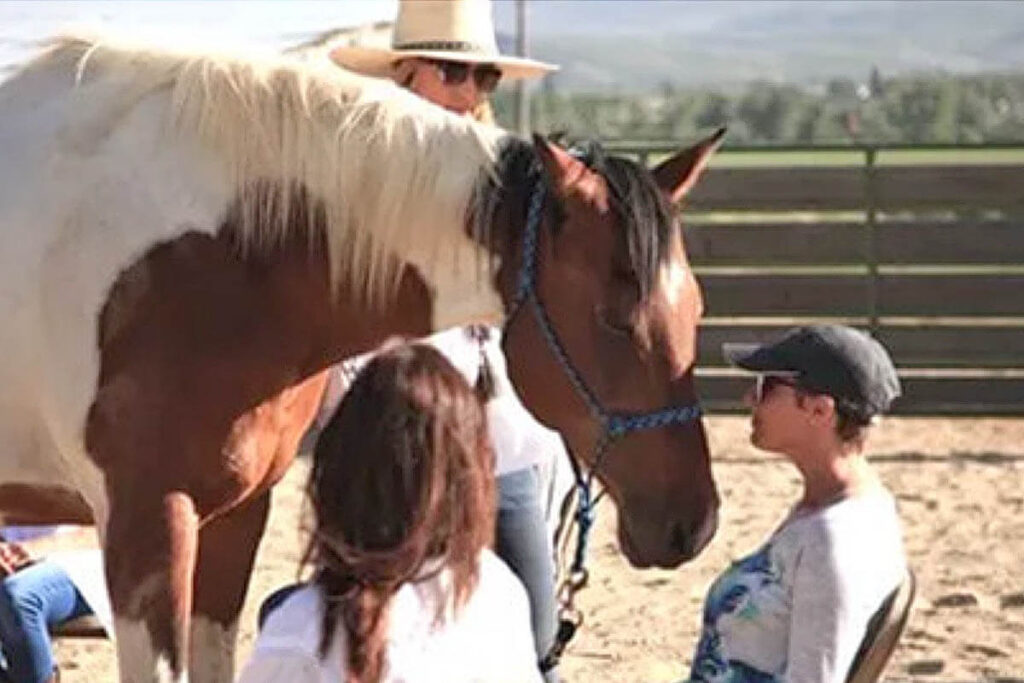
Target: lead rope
[[570, 617]]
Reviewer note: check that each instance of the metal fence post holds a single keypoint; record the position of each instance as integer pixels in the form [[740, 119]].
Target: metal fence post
[[522, 95]]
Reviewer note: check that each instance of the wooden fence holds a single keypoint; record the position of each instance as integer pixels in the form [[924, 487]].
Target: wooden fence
[[928, 256]]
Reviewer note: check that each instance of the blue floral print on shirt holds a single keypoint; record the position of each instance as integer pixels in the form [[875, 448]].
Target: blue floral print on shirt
[[729, 594]]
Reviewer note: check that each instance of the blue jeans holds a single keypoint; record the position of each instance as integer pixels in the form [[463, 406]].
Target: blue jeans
[[31, 600], [521, 540]]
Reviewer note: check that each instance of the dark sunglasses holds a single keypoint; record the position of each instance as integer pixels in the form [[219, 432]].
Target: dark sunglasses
[[485, 76], [764, 384]]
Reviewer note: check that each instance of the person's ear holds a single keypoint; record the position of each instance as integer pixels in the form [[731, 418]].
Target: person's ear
[[821, 409]]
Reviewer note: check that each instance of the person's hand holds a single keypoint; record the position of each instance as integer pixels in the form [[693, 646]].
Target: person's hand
[[13, 557]]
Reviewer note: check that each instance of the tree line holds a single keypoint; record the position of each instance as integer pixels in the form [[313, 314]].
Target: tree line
[[906, 109]]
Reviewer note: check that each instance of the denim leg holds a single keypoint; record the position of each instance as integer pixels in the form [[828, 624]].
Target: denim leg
[[32, 600], [523, 543]]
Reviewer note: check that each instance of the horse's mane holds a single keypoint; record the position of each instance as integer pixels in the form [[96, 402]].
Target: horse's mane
[[389, 168], [647, 220]]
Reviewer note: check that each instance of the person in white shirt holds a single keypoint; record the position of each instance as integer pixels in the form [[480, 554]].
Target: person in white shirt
[[527, 461], [797, 609], [404, 587], [446, 52]]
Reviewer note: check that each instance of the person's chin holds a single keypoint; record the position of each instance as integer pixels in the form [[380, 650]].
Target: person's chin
[[757, 439], [754, 432]]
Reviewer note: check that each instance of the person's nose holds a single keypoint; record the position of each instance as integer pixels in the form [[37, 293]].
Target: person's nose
[[468, 95]]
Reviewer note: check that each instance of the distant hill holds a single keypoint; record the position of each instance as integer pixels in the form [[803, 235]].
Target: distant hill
[[631, 46], [614, 45]]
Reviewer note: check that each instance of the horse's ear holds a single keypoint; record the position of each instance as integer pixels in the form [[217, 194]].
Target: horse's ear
[[562, 169], [677, 175]]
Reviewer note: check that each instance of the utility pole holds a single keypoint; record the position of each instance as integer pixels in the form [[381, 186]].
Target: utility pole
[[522, 97]]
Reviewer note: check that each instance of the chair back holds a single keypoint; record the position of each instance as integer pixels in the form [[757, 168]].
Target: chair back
[[883, 632]]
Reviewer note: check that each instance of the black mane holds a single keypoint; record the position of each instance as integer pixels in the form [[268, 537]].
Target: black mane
[[642, 210]]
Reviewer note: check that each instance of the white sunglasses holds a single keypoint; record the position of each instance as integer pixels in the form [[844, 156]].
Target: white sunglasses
[[764, 382]]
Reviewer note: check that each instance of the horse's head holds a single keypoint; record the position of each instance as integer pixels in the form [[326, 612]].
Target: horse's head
[[607, 331]]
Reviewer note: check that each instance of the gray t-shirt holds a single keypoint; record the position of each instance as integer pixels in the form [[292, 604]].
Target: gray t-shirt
[[796, 610]]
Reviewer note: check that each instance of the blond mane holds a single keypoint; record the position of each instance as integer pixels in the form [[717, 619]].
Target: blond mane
[[389, 168]]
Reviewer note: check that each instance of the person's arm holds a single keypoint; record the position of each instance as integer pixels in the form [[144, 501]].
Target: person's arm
[[13, 557], [824, 629]]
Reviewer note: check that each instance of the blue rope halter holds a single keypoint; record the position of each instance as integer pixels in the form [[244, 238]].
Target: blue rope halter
[[614, 425]]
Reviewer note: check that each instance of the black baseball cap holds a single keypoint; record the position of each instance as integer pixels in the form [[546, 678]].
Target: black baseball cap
[[842, 362]]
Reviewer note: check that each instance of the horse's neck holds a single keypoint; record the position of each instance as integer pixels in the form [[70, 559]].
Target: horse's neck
[[468, 282], [319, 326], [460, 281]]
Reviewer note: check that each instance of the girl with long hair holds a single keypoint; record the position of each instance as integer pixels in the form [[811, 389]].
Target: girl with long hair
[[404, 587]]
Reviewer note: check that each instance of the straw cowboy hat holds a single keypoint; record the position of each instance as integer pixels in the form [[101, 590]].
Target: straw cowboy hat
[[452, 30]]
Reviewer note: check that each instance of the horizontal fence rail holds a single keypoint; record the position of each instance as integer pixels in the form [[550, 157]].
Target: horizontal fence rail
[[824, 295], [897, 243], [924, 247], [915, 345]]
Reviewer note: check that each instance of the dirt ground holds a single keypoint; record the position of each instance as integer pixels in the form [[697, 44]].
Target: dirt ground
[[959, 487]]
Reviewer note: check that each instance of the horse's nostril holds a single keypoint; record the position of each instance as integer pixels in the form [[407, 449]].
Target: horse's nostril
[[683, 542], [690, 539]]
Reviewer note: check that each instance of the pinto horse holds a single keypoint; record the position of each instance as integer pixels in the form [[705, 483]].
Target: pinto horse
[[190, 239]]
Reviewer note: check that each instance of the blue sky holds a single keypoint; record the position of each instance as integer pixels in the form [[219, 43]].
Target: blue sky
[[782, 39], [277, 23]]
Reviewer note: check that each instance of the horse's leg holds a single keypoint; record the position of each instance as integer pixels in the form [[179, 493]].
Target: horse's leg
[[150, 554], [227, 552]]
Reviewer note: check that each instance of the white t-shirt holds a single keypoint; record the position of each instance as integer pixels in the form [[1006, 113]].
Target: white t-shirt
[[519, 440], [488, 639], [797, 609]]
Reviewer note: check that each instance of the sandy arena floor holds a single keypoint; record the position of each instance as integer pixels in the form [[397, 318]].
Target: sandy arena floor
[[960, 486]]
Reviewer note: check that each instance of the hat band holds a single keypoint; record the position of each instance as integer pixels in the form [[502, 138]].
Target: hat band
[[443, 46]]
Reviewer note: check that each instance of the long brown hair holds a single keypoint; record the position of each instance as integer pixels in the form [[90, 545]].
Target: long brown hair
[[402, 474]]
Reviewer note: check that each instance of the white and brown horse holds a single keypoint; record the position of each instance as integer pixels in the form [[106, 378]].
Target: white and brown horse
[[190, 239]]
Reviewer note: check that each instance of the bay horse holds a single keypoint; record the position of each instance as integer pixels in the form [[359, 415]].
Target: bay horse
[[190, 239]]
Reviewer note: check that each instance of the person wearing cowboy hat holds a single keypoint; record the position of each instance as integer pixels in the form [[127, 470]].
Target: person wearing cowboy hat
[[445, 52]]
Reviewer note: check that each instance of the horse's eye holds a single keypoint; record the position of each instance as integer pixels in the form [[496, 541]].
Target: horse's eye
[[619, 309], [614, 321]]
